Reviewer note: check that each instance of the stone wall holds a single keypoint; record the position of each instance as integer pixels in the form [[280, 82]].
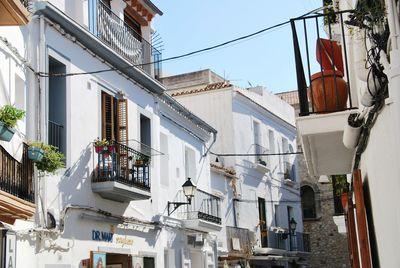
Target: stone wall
[[328, 246]]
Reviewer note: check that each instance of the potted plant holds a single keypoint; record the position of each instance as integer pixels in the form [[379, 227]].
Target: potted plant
[[341, 187], [9, 115], [52, 159], [103, 146], [35, 153], [141, 160]]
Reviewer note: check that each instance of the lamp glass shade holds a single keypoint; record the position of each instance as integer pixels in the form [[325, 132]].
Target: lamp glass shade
[[293, 224], [189, 188]]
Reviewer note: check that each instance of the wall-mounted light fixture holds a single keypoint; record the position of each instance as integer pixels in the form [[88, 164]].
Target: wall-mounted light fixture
[[189, 189]]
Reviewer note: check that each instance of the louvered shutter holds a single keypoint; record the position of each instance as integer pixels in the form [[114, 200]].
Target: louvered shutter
[[122, 128], [107, 115]]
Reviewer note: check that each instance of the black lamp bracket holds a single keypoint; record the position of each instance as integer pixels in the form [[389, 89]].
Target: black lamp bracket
[[176, 205]]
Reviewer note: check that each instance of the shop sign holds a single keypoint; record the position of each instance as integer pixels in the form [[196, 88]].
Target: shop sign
[[124, 241], [102, 236], [9, 247]]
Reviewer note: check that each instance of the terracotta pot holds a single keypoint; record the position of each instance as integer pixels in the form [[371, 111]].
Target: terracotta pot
[[328, 99], [345, 201]]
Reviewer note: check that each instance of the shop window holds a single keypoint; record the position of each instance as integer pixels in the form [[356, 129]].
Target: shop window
[[308, 202]]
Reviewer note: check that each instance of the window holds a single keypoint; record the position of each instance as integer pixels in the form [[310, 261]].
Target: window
[[190, 163], [114, 115], [308, 202], [339, 186], [137, 33], [257, 142], [262, 222], [164, 165], [271, 139], [57, 106], [145, 134]]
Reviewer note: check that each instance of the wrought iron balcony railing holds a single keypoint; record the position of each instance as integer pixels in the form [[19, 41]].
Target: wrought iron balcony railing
[[16, 177], [262, 159], [26, 3], [289, 171], [320, 38], [120, 163], [299, 242], [124, 40], [56, 132], [277, 240], [204, 206]]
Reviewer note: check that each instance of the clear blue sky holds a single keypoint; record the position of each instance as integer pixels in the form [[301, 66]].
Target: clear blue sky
[[266, 59]]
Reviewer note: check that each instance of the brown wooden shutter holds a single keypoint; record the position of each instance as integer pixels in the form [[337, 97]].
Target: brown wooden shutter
[[107, 116], [122, 129], [361, 220], [122, 112]]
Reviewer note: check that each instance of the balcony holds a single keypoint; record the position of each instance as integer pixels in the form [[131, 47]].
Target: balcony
[[299, 243], [119, 36], [240, 242], [14, 12], [121, 173], [324, 91], [204, 212], [262, 162], [16, 187], [280, 241]]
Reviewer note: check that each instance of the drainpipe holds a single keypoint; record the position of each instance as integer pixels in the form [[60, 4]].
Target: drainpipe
[[41, 109]]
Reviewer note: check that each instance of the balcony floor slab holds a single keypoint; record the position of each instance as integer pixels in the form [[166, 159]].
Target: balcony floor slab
[[321, 138], [119, 192]]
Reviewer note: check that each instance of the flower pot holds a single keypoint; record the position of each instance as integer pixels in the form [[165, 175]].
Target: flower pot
[[328, 98], [6, 133], [35, 154], [100, 148], [345, 201]]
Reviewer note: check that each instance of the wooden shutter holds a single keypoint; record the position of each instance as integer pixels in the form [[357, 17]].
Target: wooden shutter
[[122, 129], [361, 220], [107, 116], [122, 121]]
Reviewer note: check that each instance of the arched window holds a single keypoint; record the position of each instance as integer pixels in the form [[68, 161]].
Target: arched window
[[308, 202]]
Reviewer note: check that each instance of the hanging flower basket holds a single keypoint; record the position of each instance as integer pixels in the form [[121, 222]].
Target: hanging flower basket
[[6, 133], [35, 154]]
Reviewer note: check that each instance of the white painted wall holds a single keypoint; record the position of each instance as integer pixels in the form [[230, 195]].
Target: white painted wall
[[232, 112]]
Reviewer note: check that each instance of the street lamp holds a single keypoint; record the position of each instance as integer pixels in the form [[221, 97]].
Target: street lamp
[[292, 225], [189, 189]]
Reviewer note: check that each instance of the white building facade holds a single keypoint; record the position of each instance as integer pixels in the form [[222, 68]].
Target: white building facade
[[360, 137], [253, 167], [115, 204]]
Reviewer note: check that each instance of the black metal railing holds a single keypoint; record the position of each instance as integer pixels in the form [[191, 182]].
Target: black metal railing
[[123, 39], [120, 163], [277, 240], [259, 158], [245, 237], [16, 178], [289, 171], [26, 3], [299, 242], [56, 133], [203, 206], [324, 87]]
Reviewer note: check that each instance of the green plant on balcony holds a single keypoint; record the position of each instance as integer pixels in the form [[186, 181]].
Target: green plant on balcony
[[141, 160], [52, 159], [9, 115]]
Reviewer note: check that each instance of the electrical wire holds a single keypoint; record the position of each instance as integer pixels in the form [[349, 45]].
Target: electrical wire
[[262, 154], [206, 49]]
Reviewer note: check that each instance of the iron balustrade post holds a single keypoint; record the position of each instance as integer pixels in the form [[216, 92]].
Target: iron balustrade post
[[301, 80]]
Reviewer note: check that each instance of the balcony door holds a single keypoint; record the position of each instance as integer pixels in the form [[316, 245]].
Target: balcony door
[[114, 126], [262, 222]]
